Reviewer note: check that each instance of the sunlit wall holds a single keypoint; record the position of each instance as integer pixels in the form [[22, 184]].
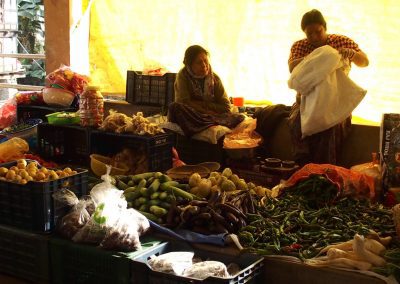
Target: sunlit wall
[[249, 42]]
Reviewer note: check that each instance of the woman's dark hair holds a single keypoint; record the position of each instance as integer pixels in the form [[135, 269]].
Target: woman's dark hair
[[191, 54], [312, 17]]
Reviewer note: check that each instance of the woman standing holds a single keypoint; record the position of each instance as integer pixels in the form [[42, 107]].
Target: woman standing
[[321, 147]]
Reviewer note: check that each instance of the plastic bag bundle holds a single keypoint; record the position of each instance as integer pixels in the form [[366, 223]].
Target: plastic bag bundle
[[204, 269], [124, 234], [72, 222], [172, 262]]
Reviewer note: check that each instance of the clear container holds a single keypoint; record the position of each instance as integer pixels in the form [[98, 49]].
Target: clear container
[[91, 107]]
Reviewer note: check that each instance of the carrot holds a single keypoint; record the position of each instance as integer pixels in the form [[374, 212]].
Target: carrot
[[338, 253], [364, 254], [346, 246], [374, 246]]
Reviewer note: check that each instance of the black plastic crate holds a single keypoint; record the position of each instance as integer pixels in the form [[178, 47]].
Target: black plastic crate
[[66, 144], [25, 112], [24, 255], [31, 206], [250, 265], [78, 263], [193, 151], [157, 148], [150, 90]]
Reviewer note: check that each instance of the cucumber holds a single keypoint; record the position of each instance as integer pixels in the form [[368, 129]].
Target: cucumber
[[130, 183], [130, 189], [122, 178], [158, 174], [144, 192], [142, 200], [144, 207], [130, 196], [138, 177], [154, 185], [149, 216], [136, 203], [155, 195], [154, 202], [183, 186], [164, 185], [164, 178], [158, 211], [164, 205], [150, 181], [121, 185], [178, 192], [142, 183], [163, 195]]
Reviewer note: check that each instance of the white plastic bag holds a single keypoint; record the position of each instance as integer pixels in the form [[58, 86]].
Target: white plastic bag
[[106, 192], [172, 262], [204, 269]]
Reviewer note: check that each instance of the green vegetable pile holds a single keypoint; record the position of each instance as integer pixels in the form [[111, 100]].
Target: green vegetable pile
[[152, 193], [300, 223]]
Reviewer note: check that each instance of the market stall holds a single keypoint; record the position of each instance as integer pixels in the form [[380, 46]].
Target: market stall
[[106, 198]]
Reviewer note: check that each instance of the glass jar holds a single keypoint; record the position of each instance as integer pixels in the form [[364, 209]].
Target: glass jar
[[91, 107]]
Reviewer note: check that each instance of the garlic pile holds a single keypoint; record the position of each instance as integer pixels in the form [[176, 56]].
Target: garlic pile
[[137, 124]]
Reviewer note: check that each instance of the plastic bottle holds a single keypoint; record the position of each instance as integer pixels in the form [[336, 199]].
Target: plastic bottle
[[91, 107], [13, 149]]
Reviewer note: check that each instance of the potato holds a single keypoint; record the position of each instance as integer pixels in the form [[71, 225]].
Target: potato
[[31, 165], [23, 173], [53, 175], [14, 168], [32, 172], [40, 176], [20, 166], [10, 175], [3, 171], [18, 178], [21, 162]]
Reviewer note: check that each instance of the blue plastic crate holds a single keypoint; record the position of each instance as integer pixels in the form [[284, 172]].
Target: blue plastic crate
[[250, 265], [31, 206]]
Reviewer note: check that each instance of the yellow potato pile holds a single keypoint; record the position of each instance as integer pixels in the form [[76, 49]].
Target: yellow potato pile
[[24, 172]]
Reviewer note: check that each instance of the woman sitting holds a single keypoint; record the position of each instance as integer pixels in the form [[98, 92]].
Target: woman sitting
[[200, 97]]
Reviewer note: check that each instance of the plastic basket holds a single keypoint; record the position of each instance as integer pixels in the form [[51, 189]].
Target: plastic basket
[[150, 90], [24, 255], [67, 144], [77, 263], [54, 119], [25, 112], [157, 148], [31, 206], [249, 264], [29, 133]]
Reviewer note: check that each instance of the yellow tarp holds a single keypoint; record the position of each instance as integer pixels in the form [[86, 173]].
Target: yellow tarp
[[249, 43]]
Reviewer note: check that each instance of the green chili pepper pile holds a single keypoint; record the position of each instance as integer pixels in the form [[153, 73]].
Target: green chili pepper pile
[[294, 225]]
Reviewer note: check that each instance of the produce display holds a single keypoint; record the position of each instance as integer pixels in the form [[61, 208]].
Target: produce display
[[301, 223], [25, 172], [137, 124], [226, 182], [16, 127], [152, 194]]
